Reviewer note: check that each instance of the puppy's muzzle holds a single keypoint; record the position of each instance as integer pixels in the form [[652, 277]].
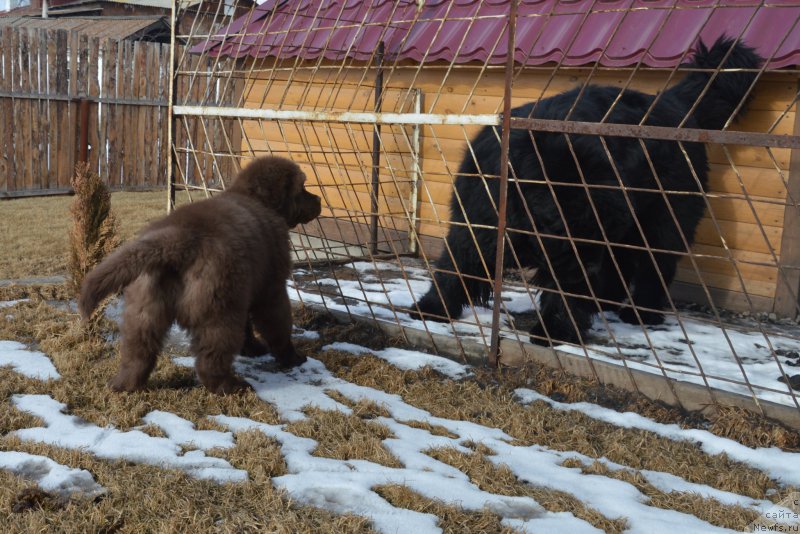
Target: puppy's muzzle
[[308, 208]]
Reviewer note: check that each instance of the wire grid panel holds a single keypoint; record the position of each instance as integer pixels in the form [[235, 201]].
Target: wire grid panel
[[648, 209]]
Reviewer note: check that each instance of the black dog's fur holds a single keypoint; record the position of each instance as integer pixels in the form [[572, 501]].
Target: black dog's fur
[[538, 207]]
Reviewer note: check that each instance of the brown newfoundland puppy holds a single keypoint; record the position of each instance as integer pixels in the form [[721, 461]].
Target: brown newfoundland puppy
[[212, 266]]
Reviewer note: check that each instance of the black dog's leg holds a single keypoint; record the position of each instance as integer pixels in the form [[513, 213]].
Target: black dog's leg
[[616, 279], [584, 271], [456, 292], [650, 289], [566, 309]]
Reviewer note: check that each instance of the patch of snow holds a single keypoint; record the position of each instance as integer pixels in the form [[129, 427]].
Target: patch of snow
[[345, 486], [32, 364], [780, 465], [699, 348], [71, 432], [719, 350], [305, 334], [10, 303], [51, 476], [184, 433], [183, 361]]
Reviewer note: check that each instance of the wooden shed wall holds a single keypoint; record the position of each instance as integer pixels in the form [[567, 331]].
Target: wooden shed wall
[[747, 184]]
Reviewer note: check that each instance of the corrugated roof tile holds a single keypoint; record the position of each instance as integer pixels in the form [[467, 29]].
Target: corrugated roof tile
[[615, 33]]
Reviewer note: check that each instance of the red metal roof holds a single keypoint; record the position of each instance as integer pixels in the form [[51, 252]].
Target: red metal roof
[[614, 33]]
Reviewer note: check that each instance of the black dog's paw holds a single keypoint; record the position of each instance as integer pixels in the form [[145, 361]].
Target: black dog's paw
[[296, 361], [253, 347], [609, 306], [538, 336], [558, 334], [290, 359], [627, 315], [429, 310]]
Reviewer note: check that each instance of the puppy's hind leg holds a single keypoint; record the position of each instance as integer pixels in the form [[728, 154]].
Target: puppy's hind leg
[[272, 318], [146, 319], [252, 346], [215, 343]]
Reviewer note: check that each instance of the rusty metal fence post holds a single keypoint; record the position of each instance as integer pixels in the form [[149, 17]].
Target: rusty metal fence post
[[503, 200], [376, 152]]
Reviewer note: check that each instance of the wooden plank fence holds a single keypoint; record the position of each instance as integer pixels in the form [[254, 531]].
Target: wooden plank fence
[[45, 74]]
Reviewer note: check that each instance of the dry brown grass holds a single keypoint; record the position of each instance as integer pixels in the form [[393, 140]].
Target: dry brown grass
[[35, 230], [452, 520], [542, 425], [140, 498], [345, 436], [144, 498]]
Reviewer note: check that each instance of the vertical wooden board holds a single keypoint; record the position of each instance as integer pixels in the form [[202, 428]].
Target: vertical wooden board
[[5, 124], [102, 110], [81, 85], [41, 170], [125, 71], [787, 291], [5, 56], [37, 123], [83, 65], [52, 109], [37, 180], [145, 138], [115, 116], [163, 113], [72, 91], [93, 89], [107, 92], [16, 136], [6, 114], [65, 130], [26, 107], [72, 45], [137, 132], [160, 75], [152, 113]]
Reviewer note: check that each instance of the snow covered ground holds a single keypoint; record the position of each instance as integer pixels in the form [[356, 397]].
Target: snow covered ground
[[742, 361], [346, 486]]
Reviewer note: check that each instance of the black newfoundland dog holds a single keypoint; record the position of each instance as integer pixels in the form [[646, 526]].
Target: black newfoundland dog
[[542, 216]]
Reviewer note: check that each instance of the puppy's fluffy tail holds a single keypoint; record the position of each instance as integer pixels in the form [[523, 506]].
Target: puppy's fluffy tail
[[124, 265], [727, 89]]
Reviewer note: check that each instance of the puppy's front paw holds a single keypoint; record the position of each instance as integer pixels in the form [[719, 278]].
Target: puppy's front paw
[[232, 385], [125, 382]]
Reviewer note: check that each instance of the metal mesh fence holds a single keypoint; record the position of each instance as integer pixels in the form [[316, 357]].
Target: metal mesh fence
[[617, 197]]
